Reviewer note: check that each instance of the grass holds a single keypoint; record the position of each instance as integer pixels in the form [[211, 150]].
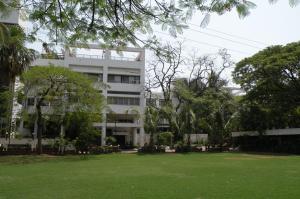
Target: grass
[[195, 176]]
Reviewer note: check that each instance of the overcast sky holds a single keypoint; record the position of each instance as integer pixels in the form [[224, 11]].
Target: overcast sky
[[268, 24]]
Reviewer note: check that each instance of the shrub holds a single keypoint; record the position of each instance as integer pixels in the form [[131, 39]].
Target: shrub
[[104, 149], [152, 149], [181, 147], [165, 138], [87, 139], [110, 140]]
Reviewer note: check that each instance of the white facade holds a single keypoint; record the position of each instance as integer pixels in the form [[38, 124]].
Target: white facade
[[124, 77], [11, 15]]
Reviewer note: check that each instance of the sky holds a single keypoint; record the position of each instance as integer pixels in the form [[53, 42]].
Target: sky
[[268, 24]]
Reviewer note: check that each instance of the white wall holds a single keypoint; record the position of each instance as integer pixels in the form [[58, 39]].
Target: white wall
[[291, 131]]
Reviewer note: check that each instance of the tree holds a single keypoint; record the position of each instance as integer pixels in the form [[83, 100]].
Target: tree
[[68, 91], [271, 81], [204, 103], [118, 22], [14, 59], [151, 122]]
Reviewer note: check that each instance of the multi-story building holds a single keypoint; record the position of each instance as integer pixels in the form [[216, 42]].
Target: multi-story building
[[122, 73], [11, 16]]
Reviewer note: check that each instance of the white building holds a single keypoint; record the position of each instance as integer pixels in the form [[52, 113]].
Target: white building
[[123, 73], [12, 16]]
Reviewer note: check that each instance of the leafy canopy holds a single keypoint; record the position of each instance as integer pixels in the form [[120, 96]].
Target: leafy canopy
[[271, 79], [118, 22]]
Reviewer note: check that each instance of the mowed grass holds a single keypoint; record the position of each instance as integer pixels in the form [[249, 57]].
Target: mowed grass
[[195, 175]]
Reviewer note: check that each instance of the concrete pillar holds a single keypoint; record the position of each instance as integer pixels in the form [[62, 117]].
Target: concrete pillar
[[135, 137], [142, 136], [104, 93], [35, 129], [107, 54], [62, 131], [103, 135], [21, 126]]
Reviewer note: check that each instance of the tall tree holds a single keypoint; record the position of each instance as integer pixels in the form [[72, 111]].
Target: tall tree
[[151, 122], [67, 90], [203, 98], [271, 79], [14, 59]]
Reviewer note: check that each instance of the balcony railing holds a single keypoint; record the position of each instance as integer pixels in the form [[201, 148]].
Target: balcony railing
[[61, 56]]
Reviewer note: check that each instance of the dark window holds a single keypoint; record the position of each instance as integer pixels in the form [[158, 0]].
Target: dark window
[[123, 100], [125, 79], [150, 102], [162, 102], [30, 101], [123, 92]]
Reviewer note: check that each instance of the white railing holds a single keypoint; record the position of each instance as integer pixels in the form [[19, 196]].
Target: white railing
[[88, 56]]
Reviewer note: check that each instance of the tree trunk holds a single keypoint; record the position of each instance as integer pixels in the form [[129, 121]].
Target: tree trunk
[[39, 129], [10, 107]]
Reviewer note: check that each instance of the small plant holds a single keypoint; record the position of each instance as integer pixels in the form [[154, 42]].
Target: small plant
[[181, 147], [165, 138], [110, 140]]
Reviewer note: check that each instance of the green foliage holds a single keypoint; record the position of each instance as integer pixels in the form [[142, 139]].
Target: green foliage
[[110, 140], [151, 122], [205, 104], [14, 56], [68, 91], [271, 80], [87, 138], [165, 138], [5, 99], [78, 122], [181, 147], [116, 22]]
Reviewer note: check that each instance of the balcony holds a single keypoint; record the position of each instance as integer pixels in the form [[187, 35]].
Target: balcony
[[128, 54]]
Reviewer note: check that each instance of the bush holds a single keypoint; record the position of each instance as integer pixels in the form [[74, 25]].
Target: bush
[[110, 140], [87, 139], [181, 147], [165, 138], [152, 149], [19, 149], [104, 149]]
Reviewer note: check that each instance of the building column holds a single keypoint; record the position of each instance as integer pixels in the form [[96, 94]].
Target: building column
[[35, 129], [104, 93], [103, 136], [135, 138], [62, 131], [142, 136], [21, 126]]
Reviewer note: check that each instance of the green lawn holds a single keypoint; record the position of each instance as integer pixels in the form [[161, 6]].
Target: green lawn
[[196, 175]]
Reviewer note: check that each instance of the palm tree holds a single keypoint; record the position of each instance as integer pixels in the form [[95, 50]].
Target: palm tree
[[4, 33], [14, 59]]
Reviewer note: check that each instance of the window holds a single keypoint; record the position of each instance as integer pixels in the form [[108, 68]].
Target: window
[[30, 101], [114, 78], [123, 92], [123, 100], [125, 79], [100, 78], [134, 80], [95, 76], [162, 102], [150, 102]]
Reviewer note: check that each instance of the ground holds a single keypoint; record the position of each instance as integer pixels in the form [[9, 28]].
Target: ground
[[129, 176]]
